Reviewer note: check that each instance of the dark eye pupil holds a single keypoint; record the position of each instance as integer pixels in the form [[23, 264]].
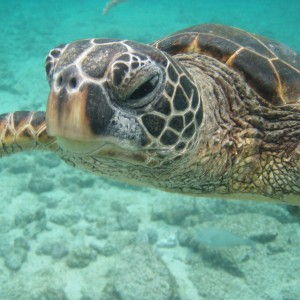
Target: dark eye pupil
[[145, 88]]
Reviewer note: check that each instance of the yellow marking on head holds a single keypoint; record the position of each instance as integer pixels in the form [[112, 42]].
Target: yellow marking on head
[[67, 117]]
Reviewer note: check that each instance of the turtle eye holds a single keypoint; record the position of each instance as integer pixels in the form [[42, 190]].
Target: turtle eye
[[143, 94], [145, 88], [136, 88]]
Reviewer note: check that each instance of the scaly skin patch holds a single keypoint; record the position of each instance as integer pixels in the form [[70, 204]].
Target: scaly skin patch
[[259, 154]]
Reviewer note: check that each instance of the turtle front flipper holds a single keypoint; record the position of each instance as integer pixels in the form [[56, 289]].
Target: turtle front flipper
[[24, 131]]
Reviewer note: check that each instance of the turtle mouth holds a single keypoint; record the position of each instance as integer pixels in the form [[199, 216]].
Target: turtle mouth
[[102, 149], [80, 147]]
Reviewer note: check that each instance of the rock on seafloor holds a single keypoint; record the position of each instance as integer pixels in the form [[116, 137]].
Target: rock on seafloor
[[140, 274], [81, 257], [15, 258], [55, 249], [51, 294]]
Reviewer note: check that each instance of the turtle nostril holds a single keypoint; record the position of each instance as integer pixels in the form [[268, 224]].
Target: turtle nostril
[[59, 81], [73, 83]]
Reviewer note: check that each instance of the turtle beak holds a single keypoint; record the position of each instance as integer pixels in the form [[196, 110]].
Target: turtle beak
[[76, 113], [66, 119], [66, 115]]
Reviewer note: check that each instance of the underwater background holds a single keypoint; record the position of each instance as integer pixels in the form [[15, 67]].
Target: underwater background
[[66, 234]]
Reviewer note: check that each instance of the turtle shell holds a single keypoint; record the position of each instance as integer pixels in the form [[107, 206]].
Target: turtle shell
[[270, 68]]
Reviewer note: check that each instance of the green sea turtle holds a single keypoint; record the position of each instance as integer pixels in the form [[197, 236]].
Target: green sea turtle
[[210, 111]]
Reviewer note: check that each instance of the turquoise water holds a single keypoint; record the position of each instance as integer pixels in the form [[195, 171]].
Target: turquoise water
[[65, 234]]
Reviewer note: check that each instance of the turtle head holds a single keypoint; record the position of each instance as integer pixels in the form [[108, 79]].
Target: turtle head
[[122, 101]]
